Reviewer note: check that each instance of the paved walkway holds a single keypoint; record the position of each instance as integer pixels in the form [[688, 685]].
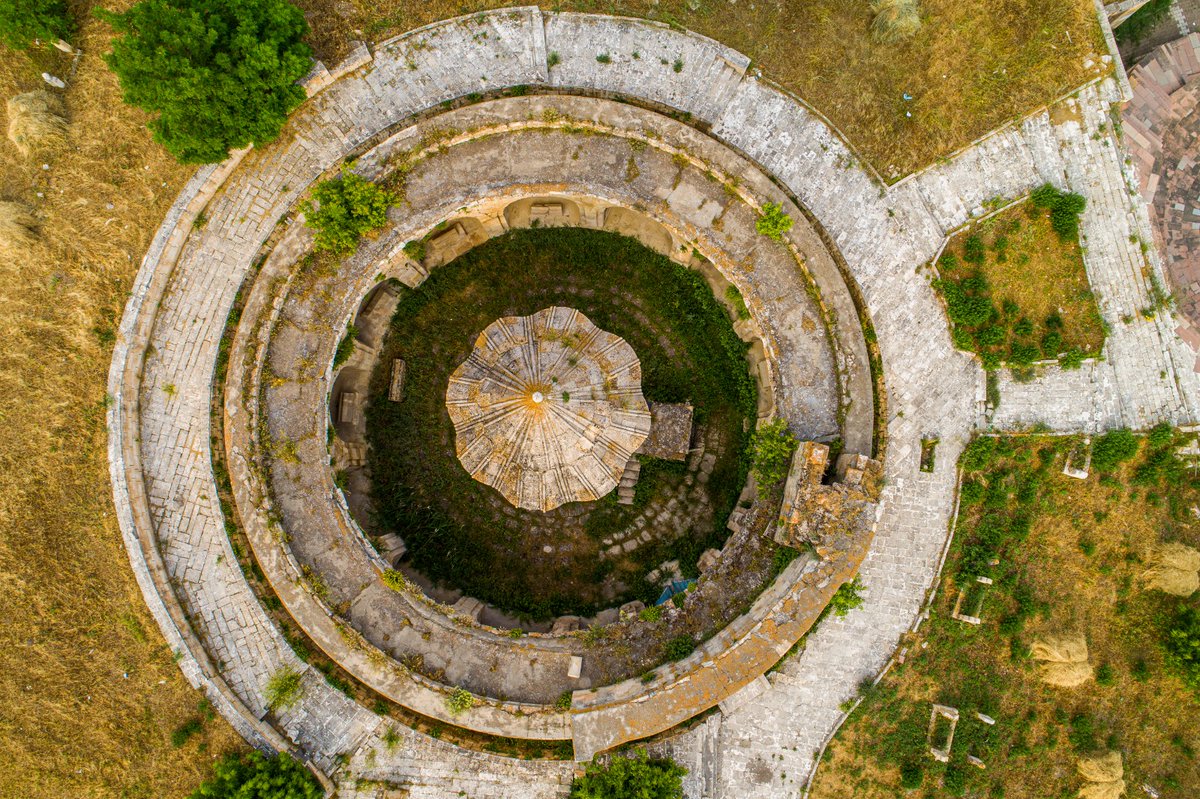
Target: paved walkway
[[933, 391]]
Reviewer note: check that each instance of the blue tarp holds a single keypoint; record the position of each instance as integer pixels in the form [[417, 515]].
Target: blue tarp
[[676, 587]]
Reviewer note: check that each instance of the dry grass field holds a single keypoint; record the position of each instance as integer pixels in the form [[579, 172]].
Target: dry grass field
[[1078, 570], [89, 695]]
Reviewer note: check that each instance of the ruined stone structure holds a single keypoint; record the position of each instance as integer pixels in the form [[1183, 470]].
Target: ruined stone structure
[[690, 183]]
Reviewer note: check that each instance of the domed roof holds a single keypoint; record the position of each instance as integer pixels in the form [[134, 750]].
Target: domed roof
[[548, 408]]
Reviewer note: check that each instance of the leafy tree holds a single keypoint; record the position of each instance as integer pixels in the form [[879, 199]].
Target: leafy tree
[[773, 446], [220, 74], [1183, 645], [343, 209], [258, 777], [24, 21], [639, 777]]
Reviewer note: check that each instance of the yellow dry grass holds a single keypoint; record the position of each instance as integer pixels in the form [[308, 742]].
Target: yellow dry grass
[[89, 693], [1081, 559]]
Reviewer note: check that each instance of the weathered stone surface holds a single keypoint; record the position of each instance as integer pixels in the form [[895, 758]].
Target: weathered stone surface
[[670, 431], [548, 409]]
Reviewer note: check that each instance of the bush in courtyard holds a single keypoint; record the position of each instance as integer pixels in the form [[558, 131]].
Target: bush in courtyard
[[1139, 24], [1112, 449], [773, 222], [847, 597], [22, 22], [895, 20], [1064, 207], [1182, 645], [342, 209], [912, 774], [639, 777], [220, 74], [772, 447], [257, 777]]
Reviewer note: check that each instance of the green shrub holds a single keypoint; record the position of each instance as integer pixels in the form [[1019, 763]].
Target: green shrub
[[772, 448], [219, 74], [639, 777], [184, 732], [979, 454], [459, 701], [734, 297], [1182, 645], [284, 689], [965, 304], [395, 580], [974, 251], [257, 777], [652, 613], [847, 597], [24, 21], [564, 701], [1051, 344], [1161, 435], [991, 336], [679, 647], [1064, 207], [415, 249], [1072, 358], [342, 209], [773, 222], [1112, 449], [912, 774], [345, 347], [1022, 354]]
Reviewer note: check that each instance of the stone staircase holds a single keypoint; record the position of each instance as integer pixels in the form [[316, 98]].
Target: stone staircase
[[627, 487]]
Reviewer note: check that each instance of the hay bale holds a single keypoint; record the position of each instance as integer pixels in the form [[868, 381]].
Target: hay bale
[[1064, 660], [1104, 775], [1065, 675], [36, 122], [1069, 648], [1104, 767], [895, 20], [1102, 790], [1174, 569], [17, 226]]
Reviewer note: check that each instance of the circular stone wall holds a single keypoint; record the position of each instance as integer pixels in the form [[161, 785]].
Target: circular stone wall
[[467, 175]]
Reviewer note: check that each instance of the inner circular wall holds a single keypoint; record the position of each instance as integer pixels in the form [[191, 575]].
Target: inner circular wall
[[494, 205]]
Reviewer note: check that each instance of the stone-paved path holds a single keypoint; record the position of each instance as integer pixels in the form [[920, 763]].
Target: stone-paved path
[[884, 236]]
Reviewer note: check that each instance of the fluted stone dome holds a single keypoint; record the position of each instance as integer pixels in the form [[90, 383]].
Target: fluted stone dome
[[548, 408]]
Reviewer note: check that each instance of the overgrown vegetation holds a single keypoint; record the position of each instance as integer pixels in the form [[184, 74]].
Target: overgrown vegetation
[[847, 597], [773, 222], [343, 209], [255, 776], [218, 74], [1016, 290], [1141, 22], [22, 22], [623, 777], [284, 689], [461, 532], [772, 449], [1064, 555], [1064, 207]]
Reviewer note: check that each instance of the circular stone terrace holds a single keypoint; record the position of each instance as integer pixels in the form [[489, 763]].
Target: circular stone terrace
[[838, 293]]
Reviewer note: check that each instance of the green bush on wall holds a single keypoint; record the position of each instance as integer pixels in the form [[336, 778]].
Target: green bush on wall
[[220, 74], [342, 209], [773, 446]]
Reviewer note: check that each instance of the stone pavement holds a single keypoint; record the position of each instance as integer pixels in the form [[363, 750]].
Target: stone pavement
[[883, 235]]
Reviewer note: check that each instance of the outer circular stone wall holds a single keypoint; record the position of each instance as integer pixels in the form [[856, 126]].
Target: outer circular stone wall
[[173, 549]]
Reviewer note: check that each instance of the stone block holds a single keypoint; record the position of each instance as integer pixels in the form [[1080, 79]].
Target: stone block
[[575, 668], [396, 387], [566, 624]]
